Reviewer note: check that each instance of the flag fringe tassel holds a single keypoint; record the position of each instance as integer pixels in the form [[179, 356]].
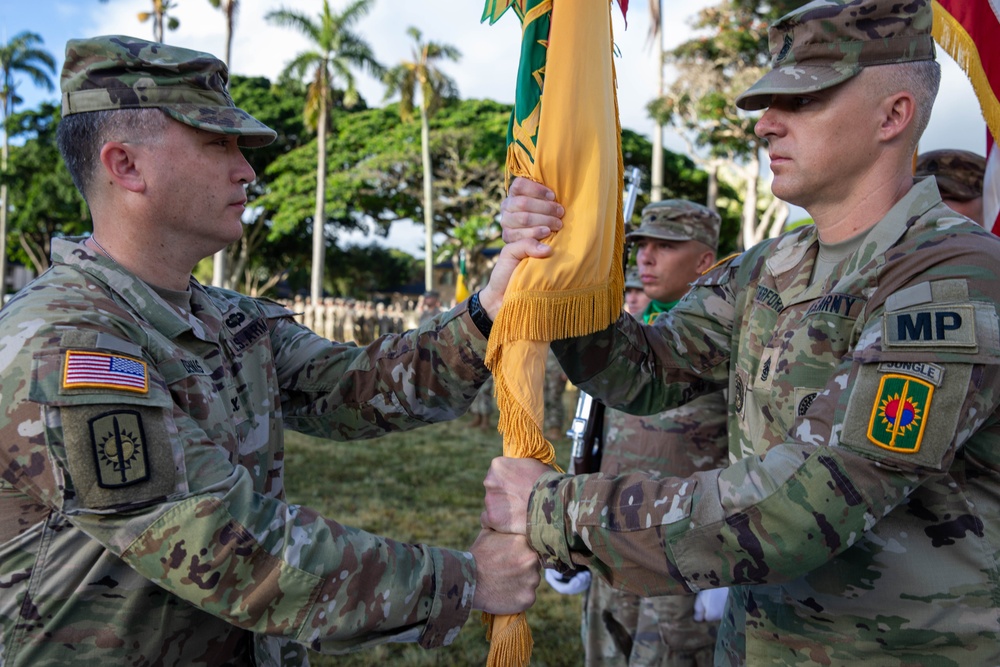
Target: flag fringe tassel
[[954, 39], [545, 316], [511, 646]]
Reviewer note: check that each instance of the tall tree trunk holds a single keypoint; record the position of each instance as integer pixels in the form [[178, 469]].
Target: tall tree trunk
[[425, 153], [3, 215], [712, 200], [229, 38], [319, 216], [220, 269], [751, 235], [656, 171]]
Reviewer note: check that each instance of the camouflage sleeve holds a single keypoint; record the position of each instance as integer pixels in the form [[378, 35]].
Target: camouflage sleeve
[[206, 536], [400, 381], [892, 416], [645, 369], [139, 475]]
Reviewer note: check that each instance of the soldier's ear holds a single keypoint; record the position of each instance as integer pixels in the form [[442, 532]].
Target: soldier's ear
[[898, 111], [121, 167], [705, 261]]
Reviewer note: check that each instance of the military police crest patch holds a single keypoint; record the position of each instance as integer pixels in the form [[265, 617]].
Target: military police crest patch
[[899, 412], [119, 447]]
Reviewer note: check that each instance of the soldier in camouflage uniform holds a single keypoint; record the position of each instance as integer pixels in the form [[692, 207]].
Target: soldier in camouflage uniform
[[676, 241], [859, 519], [635, 298], [959, 176], [142, 499]]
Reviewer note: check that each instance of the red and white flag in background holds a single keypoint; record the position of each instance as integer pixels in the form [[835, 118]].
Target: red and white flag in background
[[969, 30]]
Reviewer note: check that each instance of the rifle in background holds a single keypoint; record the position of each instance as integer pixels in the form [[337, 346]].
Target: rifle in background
[[587, 430]]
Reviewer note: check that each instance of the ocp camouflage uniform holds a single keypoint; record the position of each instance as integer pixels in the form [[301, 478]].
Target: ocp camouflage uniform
[[858, 521], [143, 517], [621, 628]]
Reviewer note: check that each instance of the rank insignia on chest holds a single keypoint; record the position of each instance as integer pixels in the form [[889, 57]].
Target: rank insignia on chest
[[105, 371], [899, 413], [119, 448]]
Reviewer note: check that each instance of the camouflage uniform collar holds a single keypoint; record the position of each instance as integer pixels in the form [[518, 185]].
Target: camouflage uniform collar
[[791, 248], [140, 297], [916, 203]]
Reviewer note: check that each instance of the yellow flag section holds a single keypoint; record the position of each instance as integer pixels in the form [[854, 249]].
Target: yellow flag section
[[564, 132]]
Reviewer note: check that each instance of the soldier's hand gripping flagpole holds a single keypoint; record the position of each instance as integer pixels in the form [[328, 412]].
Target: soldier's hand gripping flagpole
[[570, 140]]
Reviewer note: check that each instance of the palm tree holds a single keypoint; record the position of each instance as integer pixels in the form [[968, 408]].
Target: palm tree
[[336, 51], [656, 41], [435, 87], [159, 15], [230, 8], [20, 54]]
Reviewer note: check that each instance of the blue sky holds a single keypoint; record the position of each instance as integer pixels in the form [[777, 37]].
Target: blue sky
[[487, 68]]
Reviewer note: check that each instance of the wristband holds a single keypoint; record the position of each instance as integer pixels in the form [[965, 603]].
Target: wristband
[[479, 316]]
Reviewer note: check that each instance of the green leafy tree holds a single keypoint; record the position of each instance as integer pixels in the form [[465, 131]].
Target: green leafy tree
[[684, 179], [160, 17], [358, 271], [405, 79], [259, 260], [21, 55], [729, 54], [44, 202], [376, 175], [336, 50]]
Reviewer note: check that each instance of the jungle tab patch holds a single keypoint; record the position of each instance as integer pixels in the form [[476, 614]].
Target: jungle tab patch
[[118, 443], [898, 416], [85, 368]]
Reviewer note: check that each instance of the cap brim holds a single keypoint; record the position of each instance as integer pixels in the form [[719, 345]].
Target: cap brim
[[792, 80], [224, 120], [663, 236]]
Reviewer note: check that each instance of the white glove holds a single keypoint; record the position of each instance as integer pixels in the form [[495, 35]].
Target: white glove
[[570, 584], [710, 604]]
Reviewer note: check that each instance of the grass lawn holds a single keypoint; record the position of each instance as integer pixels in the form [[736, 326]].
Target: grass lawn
[[424, 486]]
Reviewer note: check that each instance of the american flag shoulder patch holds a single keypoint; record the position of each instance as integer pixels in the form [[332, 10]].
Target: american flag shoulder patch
[[85, 368]]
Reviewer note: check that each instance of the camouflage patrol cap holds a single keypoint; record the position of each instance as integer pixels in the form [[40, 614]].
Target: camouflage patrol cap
[[678, 220], [119, 72], [632, 280], [826, 42], [959, 173]]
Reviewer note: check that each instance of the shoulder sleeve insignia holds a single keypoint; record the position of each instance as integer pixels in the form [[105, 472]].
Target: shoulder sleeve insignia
[[898, 415], [84, 368], [119, 447]]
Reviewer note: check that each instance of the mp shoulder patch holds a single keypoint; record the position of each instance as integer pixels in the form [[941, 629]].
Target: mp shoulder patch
[[118, 443], [899, 413], [103, 370]]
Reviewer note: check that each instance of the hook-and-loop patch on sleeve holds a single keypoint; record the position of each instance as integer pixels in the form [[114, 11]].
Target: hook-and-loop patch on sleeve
[[113, 437], [906, 401]]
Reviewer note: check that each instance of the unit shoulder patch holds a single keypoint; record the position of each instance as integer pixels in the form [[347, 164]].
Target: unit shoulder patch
[[118, 443], [899, 413], [118, 455]]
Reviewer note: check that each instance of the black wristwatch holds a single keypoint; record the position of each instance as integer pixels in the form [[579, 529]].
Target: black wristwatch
[[479, 316]]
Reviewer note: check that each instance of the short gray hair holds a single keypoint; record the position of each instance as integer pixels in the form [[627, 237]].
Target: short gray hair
[[80, 137], [920, 78]]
